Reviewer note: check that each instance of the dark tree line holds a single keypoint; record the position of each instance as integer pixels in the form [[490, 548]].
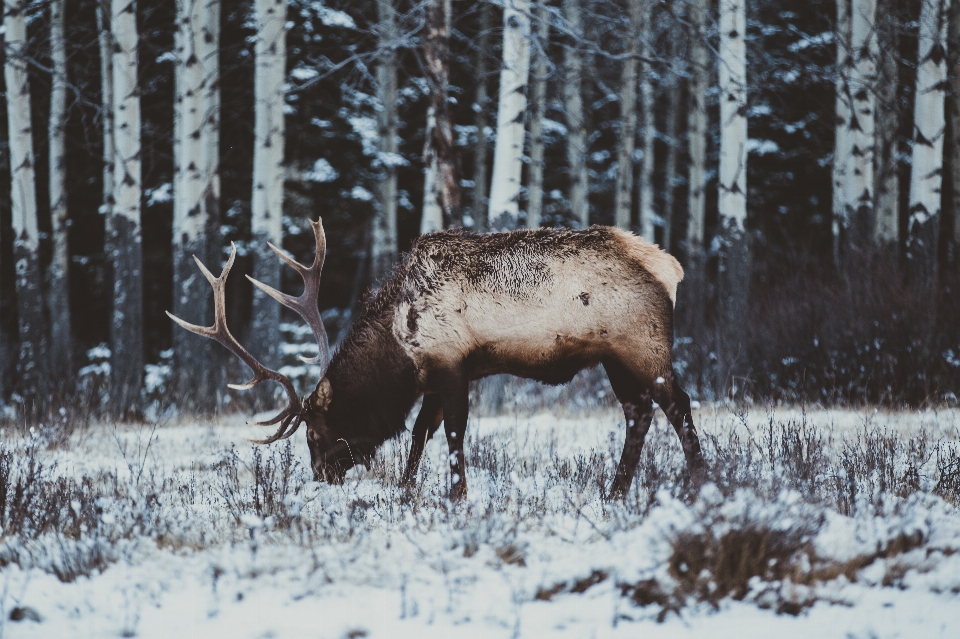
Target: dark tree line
[[815, 325]]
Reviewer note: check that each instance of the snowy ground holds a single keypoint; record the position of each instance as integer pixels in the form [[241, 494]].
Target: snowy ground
[[816, 523]]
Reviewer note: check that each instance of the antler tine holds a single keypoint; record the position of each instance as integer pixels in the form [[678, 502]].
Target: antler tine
[[282, 432], [221, 333], [306, 304]]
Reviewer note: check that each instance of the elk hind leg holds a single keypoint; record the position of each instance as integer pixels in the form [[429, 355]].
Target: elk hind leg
[[428, 421], [638, 411], [676, 405]]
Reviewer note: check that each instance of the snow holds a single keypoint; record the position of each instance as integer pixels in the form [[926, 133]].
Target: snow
[[322, 171], [526, 555]]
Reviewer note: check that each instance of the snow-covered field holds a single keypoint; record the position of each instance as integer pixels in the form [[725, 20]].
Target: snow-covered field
[[818, 523]]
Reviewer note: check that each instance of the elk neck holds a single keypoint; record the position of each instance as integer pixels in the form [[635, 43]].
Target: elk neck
[[373, 381]]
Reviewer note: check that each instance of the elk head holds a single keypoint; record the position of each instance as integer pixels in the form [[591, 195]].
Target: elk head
[[326, 450]]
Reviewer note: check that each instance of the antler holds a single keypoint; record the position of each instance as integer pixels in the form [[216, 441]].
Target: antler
[[306, 304]]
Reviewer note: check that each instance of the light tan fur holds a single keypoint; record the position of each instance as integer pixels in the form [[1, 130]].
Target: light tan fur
[[661, 264], [532, 313]]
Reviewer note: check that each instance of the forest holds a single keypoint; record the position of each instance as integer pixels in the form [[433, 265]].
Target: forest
[[801, 160]]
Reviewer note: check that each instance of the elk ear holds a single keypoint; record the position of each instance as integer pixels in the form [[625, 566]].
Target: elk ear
[[321, 396]]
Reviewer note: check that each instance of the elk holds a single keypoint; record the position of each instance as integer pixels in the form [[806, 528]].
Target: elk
[[542, 304]]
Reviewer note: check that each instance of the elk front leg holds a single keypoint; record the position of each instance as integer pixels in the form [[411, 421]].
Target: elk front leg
[[454, 389], [428, 421], [638, 411]]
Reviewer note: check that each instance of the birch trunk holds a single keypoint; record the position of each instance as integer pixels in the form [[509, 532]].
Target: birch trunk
[[210, 133], [191, 298], [929, 122], [441, 192], [504, 210], [479, 200], [538, 98], [858, 191], [649, 126], [695, 275], [384, 240], [32, 361], [623, 207], [267, 202], [125, 241], [58, 289], [106, 107], [218, 358], [843, 145], [573, 105], [887, 230], [734, 279]]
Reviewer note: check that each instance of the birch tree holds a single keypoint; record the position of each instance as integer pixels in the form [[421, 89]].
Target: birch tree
[[929, 123], [106, 109], [859, 174], [573, 105], [479, 200], [31, 363], [538, 100], [623, 207], [58, 290], [190, 184], [504, 208], [267, 201], [384, 240], [648, 126], [697, 149], [887, 140], [734, 279], [441, 190], [843, 144], [126, 325], [210, 133]]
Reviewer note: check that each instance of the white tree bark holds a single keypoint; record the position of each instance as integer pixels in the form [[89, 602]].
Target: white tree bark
[[733, 117], [267, 202], [538, 99], [189, 167], [125, 239], [623, 207], [929, 123], [195, 170], [887, 140], [859, 182], [843, 144], [648, 126], [384, 239], [504, 208], [31, 365], [106, 107], [58, 290], [697, 129], [210, 133], [431, 218], [734, 278], [573, 105]]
